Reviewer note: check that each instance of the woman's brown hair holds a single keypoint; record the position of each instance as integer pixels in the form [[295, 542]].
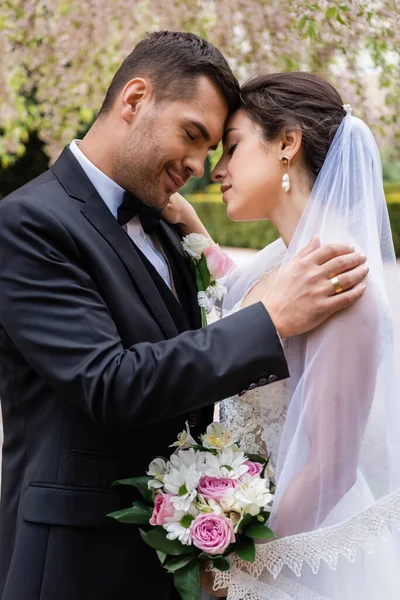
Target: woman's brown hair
[[283, 102]]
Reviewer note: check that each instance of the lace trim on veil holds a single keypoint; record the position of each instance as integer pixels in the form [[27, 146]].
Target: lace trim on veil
[[326, 544]]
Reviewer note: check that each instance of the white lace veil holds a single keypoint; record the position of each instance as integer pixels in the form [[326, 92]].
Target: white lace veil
[[338, 465]]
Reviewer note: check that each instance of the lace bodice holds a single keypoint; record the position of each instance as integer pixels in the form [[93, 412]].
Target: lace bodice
[[258, 416]]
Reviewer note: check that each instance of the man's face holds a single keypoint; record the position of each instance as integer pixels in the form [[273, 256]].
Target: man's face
[[167, 143]]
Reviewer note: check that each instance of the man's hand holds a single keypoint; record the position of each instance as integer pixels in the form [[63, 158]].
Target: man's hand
[[304, 297]]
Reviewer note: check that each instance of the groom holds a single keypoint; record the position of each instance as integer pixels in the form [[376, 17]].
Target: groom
[[102, 359]]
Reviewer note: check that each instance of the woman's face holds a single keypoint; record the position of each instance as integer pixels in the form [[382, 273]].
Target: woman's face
[[249, 170]]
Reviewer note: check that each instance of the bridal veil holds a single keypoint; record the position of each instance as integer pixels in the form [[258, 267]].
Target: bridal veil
[[337, 505]]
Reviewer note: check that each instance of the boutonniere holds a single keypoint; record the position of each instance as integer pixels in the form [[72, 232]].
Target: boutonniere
[[210, 264]]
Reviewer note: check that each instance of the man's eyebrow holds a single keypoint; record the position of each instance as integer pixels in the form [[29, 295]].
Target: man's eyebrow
[[226, 134], [204, 132]]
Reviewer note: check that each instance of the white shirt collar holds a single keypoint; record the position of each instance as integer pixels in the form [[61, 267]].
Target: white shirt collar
[[108, 189]]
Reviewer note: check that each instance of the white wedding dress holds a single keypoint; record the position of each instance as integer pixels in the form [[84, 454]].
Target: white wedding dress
[[333, 428]]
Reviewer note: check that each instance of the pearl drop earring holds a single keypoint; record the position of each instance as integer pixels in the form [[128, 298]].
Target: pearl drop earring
[[285, 162]]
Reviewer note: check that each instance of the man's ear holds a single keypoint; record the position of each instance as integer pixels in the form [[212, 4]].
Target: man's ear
[[135, 93], [290, 143]]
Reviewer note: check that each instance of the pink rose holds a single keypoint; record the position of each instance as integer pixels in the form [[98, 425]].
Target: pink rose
[[215, 487], [219, 264], [255, 468], [162, 509], [212, 533]]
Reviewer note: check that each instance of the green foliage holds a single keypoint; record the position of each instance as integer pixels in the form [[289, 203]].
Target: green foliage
[[137, 514], [390, 169], [156, 538], [221, 563], [246, 549], [187, 581], [140, 483], [259, 532]]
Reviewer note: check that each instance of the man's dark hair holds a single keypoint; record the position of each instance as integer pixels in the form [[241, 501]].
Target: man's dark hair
[[173, 60]]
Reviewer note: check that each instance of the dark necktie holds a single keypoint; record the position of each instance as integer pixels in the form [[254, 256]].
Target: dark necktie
[[149, 216]]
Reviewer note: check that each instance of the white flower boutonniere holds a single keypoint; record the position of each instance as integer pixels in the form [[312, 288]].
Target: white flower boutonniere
[[210, 264]]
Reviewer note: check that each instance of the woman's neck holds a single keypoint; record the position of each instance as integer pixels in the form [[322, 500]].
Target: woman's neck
[[288, 212]]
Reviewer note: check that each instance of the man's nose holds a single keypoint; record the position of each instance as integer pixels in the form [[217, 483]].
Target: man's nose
[[195, 165]]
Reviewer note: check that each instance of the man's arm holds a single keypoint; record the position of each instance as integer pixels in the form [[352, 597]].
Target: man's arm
[[51, 309]]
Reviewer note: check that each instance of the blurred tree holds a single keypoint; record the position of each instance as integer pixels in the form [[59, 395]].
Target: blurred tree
[[58, 56]]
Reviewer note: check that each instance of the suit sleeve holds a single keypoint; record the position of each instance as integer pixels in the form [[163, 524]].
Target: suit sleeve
[[54, 314]]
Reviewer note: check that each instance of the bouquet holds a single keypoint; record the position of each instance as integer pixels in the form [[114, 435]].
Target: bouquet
[[210, 264], [208, 500]]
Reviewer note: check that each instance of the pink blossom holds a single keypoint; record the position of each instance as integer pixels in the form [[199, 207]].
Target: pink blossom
[[162, 509], [216, 487], [218, 262], [255, 468], [212, 533]]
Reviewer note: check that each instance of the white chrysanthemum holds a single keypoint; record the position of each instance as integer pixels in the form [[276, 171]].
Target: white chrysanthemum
[[217, 436], [187, 458], [253, 494], [182, 483], [195, 244], [184, 440], [178, 526], [157, 470], [228, 463]]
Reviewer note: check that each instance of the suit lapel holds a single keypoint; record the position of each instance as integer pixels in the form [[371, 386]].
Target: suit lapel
[[173, 242], [74, 180]]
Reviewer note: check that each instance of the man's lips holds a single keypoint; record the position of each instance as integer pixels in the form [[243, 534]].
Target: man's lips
[[176, 180]]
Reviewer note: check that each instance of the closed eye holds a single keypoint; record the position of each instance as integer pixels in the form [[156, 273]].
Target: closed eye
[[232, 149], [190, 136]]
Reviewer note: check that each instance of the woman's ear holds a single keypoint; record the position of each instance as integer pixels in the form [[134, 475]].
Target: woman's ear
[[290, 144]]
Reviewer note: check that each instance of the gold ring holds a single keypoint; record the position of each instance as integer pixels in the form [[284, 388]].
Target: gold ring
[[336, 285]]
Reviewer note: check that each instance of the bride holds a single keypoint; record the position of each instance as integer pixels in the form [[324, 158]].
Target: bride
[[294, 154]]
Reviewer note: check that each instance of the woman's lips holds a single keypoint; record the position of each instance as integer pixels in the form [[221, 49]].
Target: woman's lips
[[224, 190]]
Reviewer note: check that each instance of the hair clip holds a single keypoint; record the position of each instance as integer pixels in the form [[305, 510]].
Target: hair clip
[[347, 108]]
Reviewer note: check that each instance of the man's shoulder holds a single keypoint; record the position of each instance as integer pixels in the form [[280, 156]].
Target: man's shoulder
[[37, 195]]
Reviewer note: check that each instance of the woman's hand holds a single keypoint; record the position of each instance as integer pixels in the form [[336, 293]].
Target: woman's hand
[[180, 212]]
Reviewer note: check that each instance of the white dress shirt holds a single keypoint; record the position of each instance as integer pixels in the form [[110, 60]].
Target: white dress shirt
[[112, 195]]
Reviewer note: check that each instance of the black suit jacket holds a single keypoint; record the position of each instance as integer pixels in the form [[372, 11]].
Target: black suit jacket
[[95, 381]]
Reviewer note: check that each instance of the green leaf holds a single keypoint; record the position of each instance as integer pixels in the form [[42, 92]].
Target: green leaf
[[161, 556], [244, 522], [187, 581], [256, 458], [302, 22], [203, 276], [221, 563], [245, 548], [140, 483], [157, 538], [344, 7], [258, 532], [341, 21], [331, 12], [177, 563], [138, 514]]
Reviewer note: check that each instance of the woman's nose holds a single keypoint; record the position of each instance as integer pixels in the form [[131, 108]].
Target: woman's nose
[[218, 174]]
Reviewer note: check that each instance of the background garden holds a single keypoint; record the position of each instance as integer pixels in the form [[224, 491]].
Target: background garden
[[58, 58]]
